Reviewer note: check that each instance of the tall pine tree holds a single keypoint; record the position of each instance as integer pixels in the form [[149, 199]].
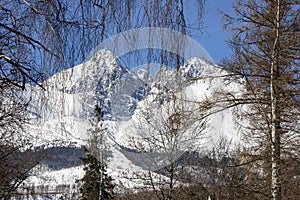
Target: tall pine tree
[[96, 183]]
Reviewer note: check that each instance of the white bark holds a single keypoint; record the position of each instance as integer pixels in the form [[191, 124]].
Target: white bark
[[275, 137]]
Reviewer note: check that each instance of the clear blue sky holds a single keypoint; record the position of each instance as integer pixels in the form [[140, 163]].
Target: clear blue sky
[[213, 37]]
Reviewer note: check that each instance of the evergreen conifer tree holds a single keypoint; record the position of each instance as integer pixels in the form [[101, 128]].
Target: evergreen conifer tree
[[96, 183]]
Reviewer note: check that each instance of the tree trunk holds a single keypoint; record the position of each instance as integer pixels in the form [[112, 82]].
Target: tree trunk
[[275, 132]]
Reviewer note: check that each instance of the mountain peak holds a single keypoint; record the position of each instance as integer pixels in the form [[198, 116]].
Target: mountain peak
[[198, 68]]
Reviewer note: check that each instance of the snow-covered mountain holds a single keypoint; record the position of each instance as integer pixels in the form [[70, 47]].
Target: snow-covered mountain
[[61, 113]]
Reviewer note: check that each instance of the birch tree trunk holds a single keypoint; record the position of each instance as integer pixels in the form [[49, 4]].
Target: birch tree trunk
[[275, 132], [265, 45]]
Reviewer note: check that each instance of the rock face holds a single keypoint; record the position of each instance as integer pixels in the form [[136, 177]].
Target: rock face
[[61, 113]]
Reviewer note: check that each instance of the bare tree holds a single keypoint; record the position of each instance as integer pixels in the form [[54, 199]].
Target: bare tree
[[22, 40], [266, 55], [168, 128], [40, 38]]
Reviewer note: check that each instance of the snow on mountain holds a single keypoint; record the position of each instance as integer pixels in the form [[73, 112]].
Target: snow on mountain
[[197, 68], [61, 113], [212, 81], [199, 81]]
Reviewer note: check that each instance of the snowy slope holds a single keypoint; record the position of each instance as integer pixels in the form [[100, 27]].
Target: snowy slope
[[61, 113], [199, 81]]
